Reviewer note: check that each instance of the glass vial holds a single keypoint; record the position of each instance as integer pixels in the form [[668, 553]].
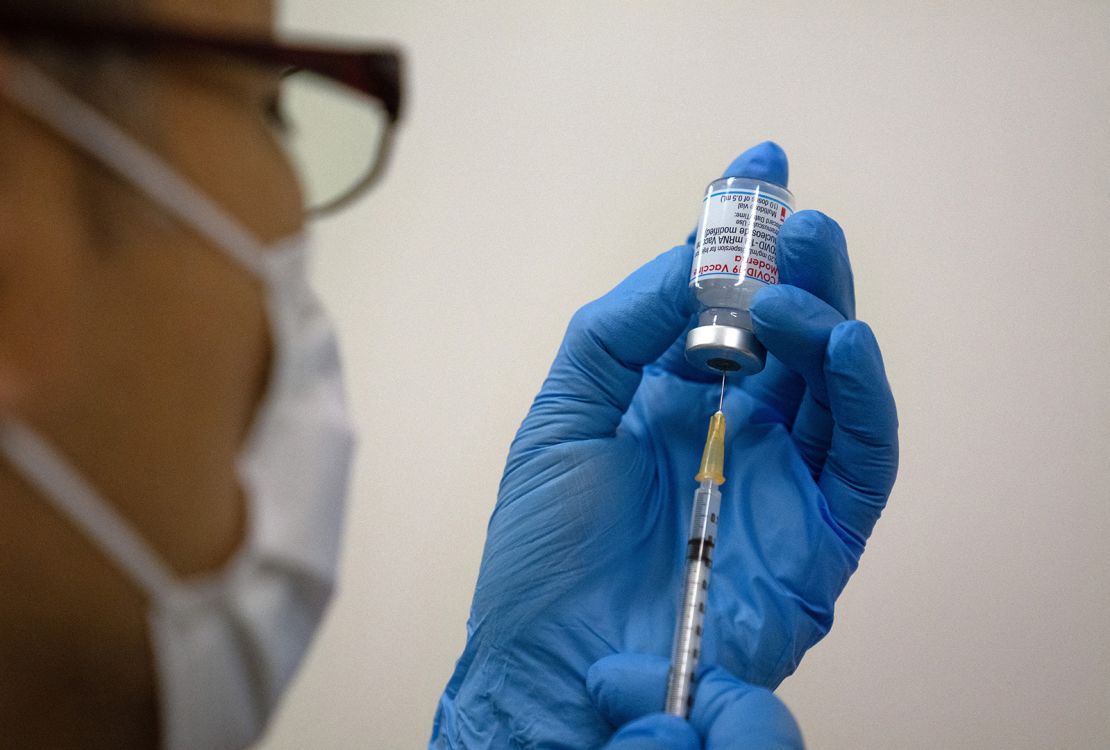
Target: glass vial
[[734, 256]]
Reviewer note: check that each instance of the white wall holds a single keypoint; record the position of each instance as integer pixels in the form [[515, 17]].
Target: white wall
[[548, 150]]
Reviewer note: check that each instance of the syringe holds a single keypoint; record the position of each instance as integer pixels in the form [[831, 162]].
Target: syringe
[[699, 561]]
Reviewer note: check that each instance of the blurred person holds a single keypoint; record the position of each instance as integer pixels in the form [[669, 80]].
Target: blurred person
[[174, 444]]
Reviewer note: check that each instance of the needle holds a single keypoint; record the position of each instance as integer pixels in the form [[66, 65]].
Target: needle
[[721, 403]]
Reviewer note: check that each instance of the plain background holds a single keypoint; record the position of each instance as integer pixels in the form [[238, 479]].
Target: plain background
[[550, 148]]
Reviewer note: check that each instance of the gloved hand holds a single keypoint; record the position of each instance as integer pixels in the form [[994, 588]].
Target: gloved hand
[[585, 549], [728, 714]]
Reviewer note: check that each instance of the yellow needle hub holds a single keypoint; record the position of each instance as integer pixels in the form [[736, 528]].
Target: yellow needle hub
[[713, 457]]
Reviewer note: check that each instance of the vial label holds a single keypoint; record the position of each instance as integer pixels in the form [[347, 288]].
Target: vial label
[[737, 236]]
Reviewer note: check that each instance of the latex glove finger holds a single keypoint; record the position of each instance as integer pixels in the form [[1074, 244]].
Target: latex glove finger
[[727, 712], [812, 433], [795, 327], [862, 461], [764, 161], [848, 430], [812, 255], [600, 362], [624, 687], [731, 714], [657, 731]]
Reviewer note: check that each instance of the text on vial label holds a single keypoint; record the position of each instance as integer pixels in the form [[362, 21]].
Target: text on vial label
[[737, 236]]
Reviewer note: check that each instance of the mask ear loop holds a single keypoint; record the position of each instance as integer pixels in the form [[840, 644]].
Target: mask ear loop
[[40, 96], [70, 492]]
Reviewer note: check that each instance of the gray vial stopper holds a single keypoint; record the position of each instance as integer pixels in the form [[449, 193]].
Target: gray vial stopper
[[726, 349]]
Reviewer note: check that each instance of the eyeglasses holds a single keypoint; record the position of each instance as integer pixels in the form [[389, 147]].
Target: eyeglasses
[[338, 108]]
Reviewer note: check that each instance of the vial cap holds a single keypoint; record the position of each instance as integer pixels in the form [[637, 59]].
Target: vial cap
[[725, 349]]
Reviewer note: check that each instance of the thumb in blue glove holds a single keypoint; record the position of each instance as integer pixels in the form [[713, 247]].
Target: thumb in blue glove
[[655, 732], [728, 713]]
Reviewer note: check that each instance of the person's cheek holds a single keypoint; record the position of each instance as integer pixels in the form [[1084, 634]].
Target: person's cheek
[[41, 265], [39, 333]]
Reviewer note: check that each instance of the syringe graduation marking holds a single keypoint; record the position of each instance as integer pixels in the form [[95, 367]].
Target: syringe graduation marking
[[701, 549]]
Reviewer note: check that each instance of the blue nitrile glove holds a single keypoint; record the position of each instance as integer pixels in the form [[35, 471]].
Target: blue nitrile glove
[[585, 549], [728, 714]]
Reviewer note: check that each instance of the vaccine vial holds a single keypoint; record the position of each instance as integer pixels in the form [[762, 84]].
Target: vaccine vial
[[734, 256]]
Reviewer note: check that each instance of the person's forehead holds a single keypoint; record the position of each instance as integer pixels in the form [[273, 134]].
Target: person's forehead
[[245, 15]]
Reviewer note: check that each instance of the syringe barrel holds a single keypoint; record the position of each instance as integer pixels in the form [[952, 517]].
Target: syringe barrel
[[686, 648], [734, 256]]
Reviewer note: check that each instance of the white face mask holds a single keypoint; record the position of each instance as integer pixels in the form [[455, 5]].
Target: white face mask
[[224, 646]]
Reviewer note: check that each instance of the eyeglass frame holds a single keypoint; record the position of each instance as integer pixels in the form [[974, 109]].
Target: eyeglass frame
[[373, 72]]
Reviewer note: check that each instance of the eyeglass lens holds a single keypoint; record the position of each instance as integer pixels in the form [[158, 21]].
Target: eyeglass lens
[[333, 135]]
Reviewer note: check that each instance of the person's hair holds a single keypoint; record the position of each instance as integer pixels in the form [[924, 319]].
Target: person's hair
[[78, 8]]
